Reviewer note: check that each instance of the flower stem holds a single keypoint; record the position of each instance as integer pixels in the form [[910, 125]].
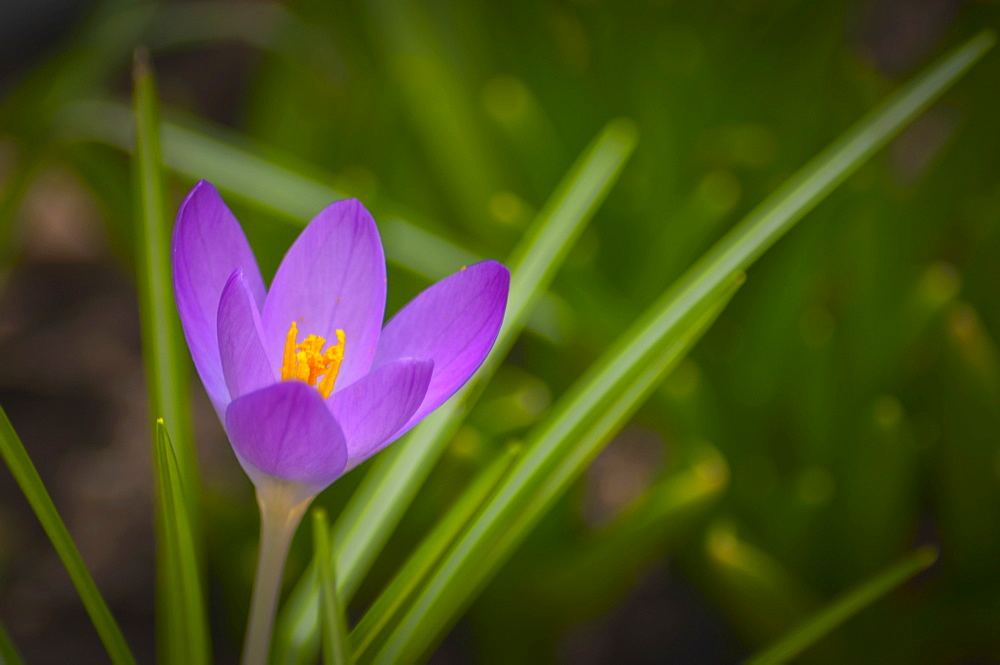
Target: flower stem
[[281, 508]]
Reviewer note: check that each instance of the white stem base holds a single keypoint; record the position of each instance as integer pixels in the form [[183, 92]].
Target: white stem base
[[281, 509]]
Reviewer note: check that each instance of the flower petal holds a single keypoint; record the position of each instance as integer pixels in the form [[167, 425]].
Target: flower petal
[[244, 362], [454, 323], [333, 277], [208, 245], [374, 408], [285, 431]]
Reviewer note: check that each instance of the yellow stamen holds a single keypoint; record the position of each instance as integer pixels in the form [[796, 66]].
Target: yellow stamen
[[308, 362], [334, 356], [288, 359]]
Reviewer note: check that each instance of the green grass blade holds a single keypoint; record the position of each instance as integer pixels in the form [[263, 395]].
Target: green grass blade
[[557, 453], [790, 202], [393, 481], [165, 376], [396, 596], [27, 478], [533, 265], [163, 349], [625, 372], [333, 628], [191, 643], [8, 653], [842, 609]]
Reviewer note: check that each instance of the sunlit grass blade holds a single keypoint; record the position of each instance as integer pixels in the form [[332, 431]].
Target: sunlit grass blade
[[533, 265], [27, 478], [624, 374], [797, 196], [180, 567], [842, 609], [165, 375], [393, 481], [8, 653], [396, 596], [556, 453], [333, 628]]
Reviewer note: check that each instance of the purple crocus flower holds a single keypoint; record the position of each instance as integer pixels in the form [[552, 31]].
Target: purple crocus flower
[[305, 379]]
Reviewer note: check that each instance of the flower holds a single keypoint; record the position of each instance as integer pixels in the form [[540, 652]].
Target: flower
[[307, 382]]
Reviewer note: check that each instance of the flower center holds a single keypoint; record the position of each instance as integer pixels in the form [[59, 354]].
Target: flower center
[[307, 361]]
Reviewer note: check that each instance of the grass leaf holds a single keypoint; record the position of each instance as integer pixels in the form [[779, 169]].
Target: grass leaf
[[393, 481], [396, 596], [333, 629], [845, 607], [27, 478], [190, 639], [165, 373]]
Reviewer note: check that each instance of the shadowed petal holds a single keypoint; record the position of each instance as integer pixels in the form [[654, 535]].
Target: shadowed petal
[[244, 363], [285, 431], [372, 410], [454, 323], [208, 246], [333, 277]]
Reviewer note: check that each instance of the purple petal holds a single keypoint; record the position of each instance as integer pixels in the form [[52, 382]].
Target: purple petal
[[208, 246], [285, 431], [454, 323], [244, 362], [333, 277], [373, 409]]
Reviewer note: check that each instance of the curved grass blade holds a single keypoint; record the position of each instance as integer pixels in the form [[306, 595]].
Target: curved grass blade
[[333, 628], [8, 653], [180, 567], [549, 466], [582, 422], [27, 478], [842, 609], [388, 489], [395, 598]]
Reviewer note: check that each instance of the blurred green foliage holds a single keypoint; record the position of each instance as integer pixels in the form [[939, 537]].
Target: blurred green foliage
[[844, 409]]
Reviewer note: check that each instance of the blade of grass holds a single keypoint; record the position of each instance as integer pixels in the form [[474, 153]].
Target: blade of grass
[[555, 455], [845, 607], [395, 597], [333, 628], [165, 376], [27, 478], [548, 466], [8, 653], [191, 636], [387, 490], [161, 327]]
